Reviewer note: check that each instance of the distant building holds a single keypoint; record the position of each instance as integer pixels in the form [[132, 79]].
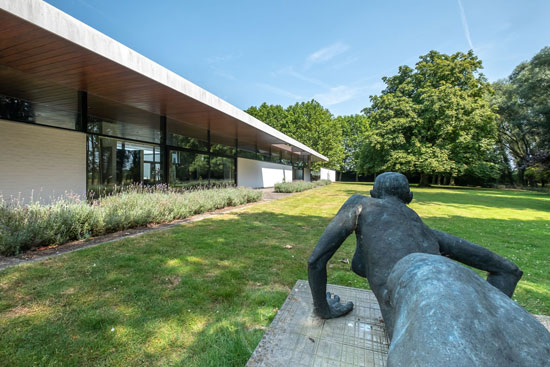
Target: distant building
[[78, 110]]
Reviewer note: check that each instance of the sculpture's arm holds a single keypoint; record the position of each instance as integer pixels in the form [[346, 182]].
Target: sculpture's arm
[[503, 273], [341, 226]]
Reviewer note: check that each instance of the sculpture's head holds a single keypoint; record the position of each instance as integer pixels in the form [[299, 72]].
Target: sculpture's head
[[392, 184]]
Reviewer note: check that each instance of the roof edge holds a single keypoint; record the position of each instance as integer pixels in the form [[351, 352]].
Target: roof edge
[[54, 20]]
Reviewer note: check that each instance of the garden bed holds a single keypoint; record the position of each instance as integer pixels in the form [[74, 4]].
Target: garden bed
[[298, 186], [25, 227]]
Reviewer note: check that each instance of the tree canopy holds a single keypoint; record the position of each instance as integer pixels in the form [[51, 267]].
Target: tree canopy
[[434, 119], [523, 103], [354, 131], [309, 123]]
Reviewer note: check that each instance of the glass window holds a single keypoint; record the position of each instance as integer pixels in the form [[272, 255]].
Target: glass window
[[122, 121], [286, 157], [184, 135], [275, 155], [117, 162], [298, 161], [246, 151], [222, 170], [221, 145], [264, 154], [17, 109], [298, 174], [188, 169], [120, 129]]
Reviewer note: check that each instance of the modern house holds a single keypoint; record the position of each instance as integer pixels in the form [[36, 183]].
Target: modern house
[[78, 110]]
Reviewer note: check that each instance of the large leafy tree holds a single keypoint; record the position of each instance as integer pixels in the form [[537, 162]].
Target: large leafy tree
[[354, 130], [523, 102], [309, 123], [273, 115], [432, 120]]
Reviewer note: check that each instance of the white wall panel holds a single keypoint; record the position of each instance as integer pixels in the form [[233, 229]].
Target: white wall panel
[[41, 161], [328, 174], [251, 173]]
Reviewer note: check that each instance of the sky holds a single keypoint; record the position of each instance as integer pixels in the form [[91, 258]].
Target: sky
[[336, 52]]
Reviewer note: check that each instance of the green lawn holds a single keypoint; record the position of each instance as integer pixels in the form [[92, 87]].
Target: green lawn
[[202, 294]]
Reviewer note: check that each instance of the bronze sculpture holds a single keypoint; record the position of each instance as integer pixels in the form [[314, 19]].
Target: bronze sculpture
[[395, 252]]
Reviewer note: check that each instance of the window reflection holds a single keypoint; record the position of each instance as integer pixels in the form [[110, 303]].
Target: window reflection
[[222, 170], [117, 162], [188, 169], [17, 109]]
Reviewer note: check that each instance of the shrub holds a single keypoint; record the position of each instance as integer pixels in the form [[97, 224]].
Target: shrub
[[298, 186], [23, 227]]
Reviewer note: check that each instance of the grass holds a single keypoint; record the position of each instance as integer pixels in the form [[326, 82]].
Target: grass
[[202, 294]]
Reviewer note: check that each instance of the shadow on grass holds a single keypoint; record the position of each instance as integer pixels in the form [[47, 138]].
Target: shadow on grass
[[199, 294], [487, 199], [518, 200]]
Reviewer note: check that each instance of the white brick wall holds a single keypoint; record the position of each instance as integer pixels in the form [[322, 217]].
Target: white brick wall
[[47, 161]]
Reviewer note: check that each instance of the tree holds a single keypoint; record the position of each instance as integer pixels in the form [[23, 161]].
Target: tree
[[431, 120], [273, 115], [523, 103], [516, 136], [309, 123], [354, 130]]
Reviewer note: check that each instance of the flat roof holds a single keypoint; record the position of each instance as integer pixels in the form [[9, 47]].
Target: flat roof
[[40, 40]]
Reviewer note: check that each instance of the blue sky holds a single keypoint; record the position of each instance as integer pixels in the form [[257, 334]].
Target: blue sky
[[283, 52]]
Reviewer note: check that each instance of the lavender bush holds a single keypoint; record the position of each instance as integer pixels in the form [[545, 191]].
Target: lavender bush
[[26, 226], [297, 186]]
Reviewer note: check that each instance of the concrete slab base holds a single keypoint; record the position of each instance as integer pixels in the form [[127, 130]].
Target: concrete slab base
[[296, 338]]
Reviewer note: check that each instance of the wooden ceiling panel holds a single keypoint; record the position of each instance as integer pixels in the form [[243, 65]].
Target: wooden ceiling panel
[[41, 66]]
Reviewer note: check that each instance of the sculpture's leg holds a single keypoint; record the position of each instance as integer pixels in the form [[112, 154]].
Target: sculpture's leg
[[387, 313], [503, 274]]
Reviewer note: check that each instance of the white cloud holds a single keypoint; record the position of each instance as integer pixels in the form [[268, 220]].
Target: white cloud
[[220, 58], [224, 74], [342, 93], [214, 62], [293, 73], [337, 95], [348, 61], [279, 91], [327, 53], [465, 25]]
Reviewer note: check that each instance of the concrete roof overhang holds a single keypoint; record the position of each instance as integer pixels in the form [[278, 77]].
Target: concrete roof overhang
[[40, 41]]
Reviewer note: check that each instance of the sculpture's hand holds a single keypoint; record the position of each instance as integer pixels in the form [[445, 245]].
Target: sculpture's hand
[[336, 308]]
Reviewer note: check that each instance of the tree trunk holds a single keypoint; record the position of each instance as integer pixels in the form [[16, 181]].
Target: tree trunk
[[340, 176], [508, 172], [356, 176], [424, 180], [434, 179], [439, 179], [452, 181], [521, 176]]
